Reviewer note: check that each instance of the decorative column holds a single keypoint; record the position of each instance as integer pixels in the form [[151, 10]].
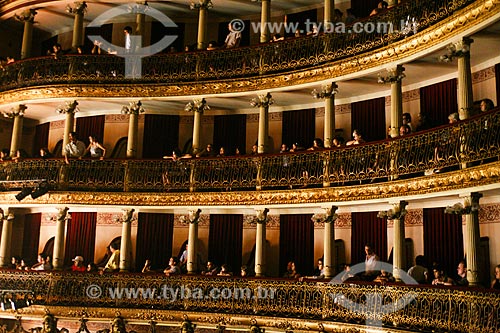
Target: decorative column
[[197, 106], [203, 6], [140, 20], [192, 252], [328, 94], [394, 77], [263, 102], [28, 18], [69, 109], [397, 214], [265, 18], [58, 254], [126, 243], [329, 5], [260, 242], [17, 114], [5, 243], [329, 260], [461, 51], [79, 10], [470, 208], [133, 110]]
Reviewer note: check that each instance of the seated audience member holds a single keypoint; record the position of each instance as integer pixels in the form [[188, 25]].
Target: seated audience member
[[20, 155], [346, 273], [384, 277], [357, 138], [317, 145], [371, 263], [404, 130], [22, 265], [277, 38], [92, 268], [254, 150], [113, 263], [495, 284], [319, 271], [418, 272], [424, 122], [43, 263], [337, 142], [487, 105], [462, 275], [350, 17], [296, 147], [440, 278], [147, 266], [233, 38], [225, 270], [207, 152], [453, 118], [211, 269], [74, 149], [95, 148], [172, 268], [14, 262], [78, 265], [45, 153], [381, 6], [244, 271], [284, 148], [5, 155], [407, 120], [222, 152], [291, 272]]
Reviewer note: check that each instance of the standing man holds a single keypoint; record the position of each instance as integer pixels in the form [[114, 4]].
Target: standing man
[[74, 148], [128, 40], [233, 38]]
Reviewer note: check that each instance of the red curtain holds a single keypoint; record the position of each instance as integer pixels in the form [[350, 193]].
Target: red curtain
[[80, 237], [439, 101], [368, 228], [497, 82], [297, 243], [31, 236], [299, 127], [369, 118], [443, 238], [41, 138], [86, 126], [154, 240], [230, 132], [225, 240], [161, 135]]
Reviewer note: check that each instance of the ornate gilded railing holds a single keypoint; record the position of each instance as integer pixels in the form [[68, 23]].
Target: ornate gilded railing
[[463, 144], [245, 62], [413, 307]]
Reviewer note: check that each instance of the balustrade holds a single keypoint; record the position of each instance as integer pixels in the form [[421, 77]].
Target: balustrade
[[470, 142]]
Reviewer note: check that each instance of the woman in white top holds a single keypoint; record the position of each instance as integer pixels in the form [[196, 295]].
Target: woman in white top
[[95, 148]]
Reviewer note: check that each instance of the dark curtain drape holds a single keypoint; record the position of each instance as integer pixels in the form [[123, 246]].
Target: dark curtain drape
[[31, 236], [105, 31], [299, 127], [158, 31], [369, 118], [225, 240], [161, 135], [230, 132], [497, 82], [154, 239], [443, 238], [86, 126], [41, 138], [297, 243], [80, 237], [368, 228], [362, 8], [439, 101]]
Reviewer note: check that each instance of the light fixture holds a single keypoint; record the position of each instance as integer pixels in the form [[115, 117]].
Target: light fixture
[[197, 105], [15, 111], [327, 91], [24, 193], [133, 108], [40, 190], [393, 75], [68, 107]]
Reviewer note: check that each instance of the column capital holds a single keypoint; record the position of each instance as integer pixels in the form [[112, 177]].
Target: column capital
[[192, 218], [197, 105], [17, 111], [329, 216], [6, 214], [261, 215], [470, 204], [27, 15], [262, 100], [63, 214], [457, 49], [127, 215], [202, 4], [396, 213], [80, 8], [327, 91], [68, 107], [393, 75], [133, 108]]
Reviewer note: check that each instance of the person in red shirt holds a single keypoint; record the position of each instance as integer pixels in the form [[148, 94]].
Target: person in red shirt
[[78, 265]]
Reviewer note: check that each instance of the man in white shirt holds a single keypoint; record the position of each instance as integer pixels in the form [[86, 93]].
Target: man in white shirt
[[371, 262], [74, 148], [128, 40], [233, 38]]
